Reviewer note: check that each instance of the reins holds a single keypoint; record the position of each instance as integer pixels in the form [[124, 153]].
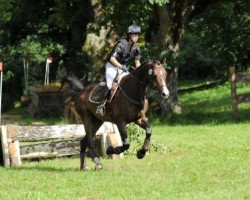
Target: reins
[[139, 103]]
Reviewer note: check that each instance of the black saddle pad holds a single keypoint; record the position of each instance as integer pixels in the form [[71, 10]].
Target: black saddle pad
[[97, 94]]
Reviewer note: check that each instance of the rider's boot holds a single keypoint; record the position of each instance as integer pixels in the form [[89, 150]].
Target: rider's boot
[[101, 108]]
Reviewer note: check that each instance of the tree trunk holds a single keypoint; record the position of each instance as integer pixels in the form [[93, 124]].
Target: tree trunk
[[75, 59], [167, 27]]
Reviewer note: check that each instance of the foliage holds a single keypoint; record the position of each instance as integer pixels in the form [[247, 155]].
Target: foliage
[[159, 2], [35, 30], [35, 49], [135, 13], [136, 136], [8, 75], [216, 40]]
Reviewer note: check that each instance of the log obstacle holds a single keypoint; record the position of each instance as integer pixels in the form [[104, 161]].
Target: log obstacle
[[237, 98], [50, 141]]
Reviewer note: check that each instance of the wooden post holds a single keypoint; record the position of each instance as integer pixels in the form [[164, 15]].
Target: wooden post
[[234, 98], [1, 80], [14, 152], [5, 149]]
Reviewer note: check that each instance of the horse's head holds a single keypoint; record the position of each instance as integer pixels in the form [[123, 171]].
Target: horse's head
[[159, 74]]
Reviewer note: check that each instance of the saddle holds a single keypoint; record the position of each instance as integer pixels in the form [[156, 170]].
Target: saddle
[[97, 94]]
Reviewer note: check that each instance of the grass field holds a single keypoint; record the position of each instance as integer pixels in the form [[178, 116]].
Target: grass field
[[204, 154]]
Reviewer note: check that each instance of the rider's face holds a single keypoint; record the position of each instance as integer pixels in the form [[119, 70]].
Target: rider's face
[[134, 37]]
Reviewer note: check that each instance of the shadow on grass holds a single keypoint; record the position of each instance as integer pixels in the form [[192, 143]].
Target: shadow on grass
[[25, 118], [35, 165], [44, 169], [215, 118]]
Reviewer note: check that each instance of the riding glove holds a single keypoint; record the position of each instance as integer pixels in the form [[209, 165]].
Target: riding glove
[[124, 68]]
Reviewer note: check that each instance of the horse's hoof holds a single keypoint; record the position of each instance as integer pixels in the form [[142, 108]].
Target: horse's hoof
[[98, 166], [141, 153], [85, 168], [110, 150]]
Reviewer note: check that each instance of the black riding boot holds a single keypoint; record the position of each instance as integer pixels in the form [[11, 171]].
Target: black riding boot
[[101, 109]]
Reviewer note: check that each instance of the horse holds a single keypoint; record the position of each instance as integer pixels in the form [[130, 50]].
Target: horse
[[125, 107]]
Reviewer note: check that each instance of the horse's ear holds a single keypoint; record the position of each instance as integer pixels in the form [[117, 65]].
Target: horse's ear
[[157, 62]]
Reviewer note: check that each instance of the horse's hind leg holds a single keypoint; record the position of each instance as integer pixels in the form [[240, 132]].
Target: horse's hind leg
[[91, 125], [83, 146]]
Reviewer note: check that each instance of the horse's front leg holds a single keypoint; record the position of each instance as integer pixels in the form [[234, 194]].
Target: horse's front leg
[[125, 141], [143, 123]]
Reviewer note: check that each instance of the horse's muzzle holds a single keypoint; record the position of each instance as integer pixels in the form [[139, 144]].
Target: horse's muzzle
[[164, 92]]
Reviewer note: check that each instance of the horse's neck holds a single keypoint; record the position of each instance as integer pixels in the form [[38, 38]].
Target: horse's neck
[[134, 85], [141, 74]]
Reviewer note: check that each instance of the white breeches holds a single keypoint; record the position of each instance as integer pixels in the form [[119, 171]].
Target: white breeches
[[111, 72]]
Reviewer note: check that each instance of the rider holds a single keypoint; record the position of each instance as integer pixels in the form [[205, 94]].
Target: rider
[[125, 51]]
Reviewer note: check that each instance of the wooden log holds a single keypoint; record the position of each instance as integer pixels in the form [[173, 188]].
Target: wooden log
[[232, 72], [242, 98], [5, 149], [53, 149], [38, 133], [14, 153], [110, 136], [12, 134], [104, 143], [39, 155], [243, 78]]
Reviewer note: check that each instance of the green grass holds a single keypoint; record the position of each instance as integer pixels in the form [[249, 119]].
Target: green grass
[[203, 162], [211, 106], [206, 157]]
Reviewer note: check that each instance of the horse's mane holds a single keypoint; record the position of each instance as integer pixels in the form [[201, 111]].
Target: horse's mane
[[147, 63], [144, 64]]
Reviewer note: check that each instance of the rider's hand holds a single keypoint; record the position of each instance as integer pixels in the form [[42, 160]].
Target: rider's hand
[[124, 68]]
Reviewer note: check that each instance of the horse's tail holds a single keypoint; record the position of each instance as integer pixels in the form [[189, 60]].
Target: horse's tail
[[75, 85]]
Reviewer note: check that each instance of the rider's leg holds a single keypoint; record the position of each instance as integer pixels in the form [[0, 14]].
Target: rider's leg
[[110, 74]]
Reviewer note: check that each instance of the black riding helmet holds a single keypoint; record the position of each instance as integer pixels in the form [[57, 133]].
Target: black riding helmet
[[134, 29]]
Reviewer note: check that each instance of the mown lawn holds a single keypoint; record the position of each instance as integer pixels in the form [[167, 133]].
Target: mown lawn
[[203, 154]]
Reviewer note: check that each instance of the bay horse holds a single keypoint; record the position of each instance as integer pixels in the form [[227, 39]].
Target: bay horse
[[125, 107]]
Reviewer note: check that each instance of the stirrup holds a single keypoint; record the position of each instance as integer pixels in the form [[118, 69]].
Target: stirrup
[[100, 110]]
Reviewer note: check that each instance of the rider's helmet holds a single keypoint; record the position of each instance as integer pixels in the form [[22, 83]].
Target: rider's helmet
[[134, 29]]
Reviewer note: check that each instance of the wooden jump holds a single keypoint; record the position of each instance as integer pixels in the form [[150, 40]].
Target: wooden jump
[[57, 141]]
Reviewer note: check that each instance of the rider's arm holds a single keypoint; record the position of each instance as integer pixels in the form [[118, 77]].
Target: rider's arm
[[116, 52], [137, 63], [114, 62], [137, 57]]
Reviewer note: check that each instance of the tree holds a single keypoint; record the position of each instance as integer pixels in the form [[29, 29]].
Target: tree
[[219, 38], [36, 29], [166, 30]]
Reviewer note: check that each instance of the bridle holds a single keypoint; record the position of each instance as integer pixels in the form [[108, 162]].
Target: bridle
[[142, 86]]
